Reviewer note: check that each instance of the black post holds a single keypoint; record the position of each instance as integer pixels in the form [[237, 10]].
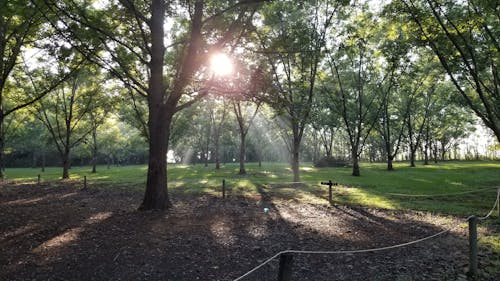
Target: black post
[[39, 179], [84, 182], [285, 270], [330, 184], [223, 188], [472, 246], [330, 193]]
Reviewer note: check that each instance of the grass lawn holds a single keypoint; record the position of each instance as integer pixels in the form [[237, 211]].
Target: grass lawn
[[442, 188], [375, 188]]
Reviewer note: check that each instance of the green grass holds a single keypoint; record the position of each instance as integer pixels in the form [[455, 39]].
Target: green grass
[[374, 188]]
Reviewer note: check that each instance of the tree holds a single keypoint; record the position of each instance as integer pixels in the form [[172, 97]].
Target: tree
[[21, 27], [293, 39], [133, 35], [67, 113], [464, 36], [353, 89]]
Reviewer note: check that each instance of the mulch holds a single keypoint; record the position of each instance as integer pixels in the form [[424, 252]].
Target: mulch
[[56, 231]]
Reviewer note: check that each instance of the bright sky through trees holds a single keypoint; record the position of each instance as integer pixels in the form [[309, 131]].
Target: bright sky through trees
[[221, 64]]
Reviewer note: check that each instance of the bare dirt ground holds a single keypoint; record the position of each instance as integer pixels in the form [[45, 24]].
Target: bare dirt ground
[[55, 231]]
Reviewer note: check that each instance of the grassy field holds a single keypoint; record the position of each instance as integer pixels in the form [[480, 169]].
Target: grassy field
[[404, 188], [442, 188]]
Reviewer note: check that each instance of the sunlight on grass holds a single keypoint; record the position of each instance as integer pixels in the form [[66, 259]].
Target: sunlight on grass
[[360, 196], [376, 187]]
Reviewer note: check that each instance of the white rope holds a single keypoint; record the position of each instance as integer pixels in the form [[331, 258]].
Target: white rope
[[341, 252], [439, 195], [492, 209]]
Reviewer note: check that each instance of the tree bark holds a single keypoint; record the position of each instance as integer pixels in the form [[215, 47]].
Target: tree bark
[[156, 195], [355, 163], [389, 163], [295, 159], [65, 163], [2, 141], [94, 149], [242, 155], [216, 152]]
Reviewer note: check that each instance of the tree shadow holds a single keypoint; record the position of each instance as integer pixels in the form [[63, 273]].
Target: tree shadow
[[100, 236]]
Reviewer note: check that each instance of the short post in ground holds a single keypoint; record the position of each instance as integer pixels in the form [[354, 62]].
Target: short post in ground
[[473, 246], [285, 269], [330, 184], [39, 179], [498, 202], [223, 188], [84, 182]]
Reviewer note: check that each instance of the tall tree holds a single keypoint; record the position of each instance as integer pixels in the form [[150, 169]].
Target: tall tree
[[21, 27], [293, 39], [133, 35], [67, 113], [464, 36], [355, 79]]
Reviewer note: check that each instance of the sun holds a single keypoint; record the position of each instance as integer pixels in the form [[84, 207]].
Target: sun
[[221, 64]]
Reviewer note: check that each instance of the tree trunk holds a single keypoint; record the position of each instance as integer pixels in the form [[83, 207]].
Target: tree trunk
[[295, 159], [412, 156], [2, 141], [355, 163], [216, 152], [156, 195], [65, 163], [94, 149], [389, 163], [44, 157], [242, 155], [443, 153]]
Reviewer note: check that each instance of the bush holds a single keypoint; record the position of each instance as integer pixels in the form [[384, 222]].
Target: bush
[[330, 161]]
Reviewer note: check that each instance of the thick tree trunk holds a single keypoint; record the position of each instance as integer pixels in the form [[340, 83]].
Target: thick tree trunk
[[156, 195], [242, 155], [2, 143], [355, 163], [65, 164], [412, 157], [389, 163]]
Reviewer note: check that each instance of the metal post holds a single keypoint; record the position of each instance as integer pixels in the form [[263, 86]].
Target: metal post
[[472, 246], [285, 269], [84, 182], [39, 179], [223, 188]]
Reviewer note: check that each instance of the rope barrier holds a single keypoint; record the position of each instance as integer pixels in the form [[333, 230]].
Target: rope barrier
[[492, 209], [341, 251], [441, 194], [364, 250]]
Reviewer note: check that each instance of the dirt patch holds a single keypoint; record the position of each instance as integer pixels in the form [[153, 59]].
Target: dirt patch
[[59, 232]]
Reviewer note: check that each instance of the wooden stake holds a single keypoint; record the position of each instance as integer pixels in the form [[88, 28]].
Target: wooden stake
[[285, 269], [472, 246], [223, 188], [498, 202], [84, 182], [39, 179]]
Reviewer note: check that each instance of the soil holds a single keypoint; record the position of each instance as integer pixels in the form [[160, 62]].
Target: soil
[[56, 231]]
